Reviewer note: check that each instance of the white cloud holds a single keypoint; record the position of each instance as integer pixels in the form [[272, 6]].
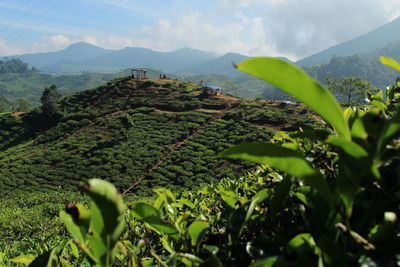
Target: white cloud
[[7, 50], [301, 27]]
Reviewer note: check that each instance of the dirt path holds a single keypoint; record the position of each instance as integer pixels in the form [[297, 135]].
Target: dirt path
[[212, 111]]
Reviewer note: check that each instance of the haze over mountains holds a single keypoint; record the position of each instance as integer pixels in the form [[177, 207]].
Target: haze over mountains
[[377, 38], [83, 57]]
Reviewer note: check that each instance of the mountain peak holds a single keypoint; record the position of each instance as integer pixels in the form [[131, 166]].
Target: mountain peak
[[84, 46]]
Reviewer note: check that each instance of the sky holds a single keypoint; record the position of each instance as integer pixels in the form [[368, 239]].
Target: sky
[[290, 28]]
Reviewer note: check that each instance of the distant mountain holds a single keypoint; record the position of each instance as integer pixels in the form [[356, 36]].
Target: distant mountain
[[222, 65], [366, 65], [81, 57], [147, 58], [369, 42], [75, 52]]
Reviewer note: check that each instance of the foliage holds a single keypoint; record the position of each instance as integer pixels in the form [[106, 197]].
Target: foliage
[[49, 100], [326, 197], [14, 66], [353, 216], [366, 66]]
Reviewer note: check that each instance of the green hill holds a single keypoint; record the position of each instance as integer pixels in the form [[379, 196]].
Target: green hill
[[365, 65], [146, 133], [29, 86]]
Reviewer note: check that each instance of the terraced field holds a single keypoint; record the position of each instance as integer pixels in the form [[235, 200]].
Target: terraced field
[[139, 134]]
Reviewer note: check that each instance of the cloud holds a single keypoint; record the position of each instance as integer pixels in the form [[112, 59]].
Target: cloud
[[7, 50], [299, 28], [196, 30], [47, 43]]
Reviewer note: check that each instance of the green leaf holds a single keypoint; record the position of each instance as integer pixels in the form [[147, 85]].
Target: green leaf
[[142, 211], [23, 259], [390, 62], [301, 244], [74, 249], [107, 220], [281, 192], [151, 216], [350, 148], [229, 198], [72, 228], [284, 159], [197, 230], [298, 84], [111, 206], [186, 202]]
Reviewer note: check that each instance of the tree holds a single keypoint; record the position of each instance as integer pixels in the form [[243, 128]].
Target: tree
[[349, 89], [49, 100], [22, 105]]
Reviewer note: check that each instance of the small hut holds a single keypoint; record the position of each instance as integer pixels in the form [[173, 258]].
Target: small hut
[[138, 74]]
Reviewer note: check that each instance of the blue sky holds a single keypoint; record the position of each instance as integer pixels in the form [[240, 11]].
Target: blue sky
[[292, 28]]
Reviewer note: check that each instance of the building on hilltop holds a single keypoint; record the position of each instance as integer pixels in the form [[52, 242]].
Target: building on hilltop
[[140, 74]]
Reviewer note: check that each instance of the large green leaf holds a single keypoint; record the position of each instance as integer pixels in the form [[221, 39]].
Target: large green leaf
[[111, 207], [390, 62], [298, 84], [107, 221], [284, 159]]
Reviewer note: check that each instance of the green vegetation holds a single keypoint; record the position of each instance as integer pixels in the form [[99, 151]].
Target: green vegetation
[[350, 90], [160, 133], [323, 197], [14, 66], [364, 66]]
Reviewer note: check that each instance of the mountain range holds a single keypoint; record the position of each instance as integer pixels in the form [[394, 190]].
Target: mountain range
[[84, 57]]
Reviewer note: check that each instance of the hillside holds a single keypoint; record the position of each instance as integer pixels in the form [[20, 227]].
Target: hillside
[[366, 65], [29, 86], [369, 42], [146, 133]]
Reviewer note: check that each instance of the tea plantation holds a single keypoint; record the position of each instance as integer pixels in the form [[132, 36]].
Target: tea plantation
[[322, 194], [154, 132]]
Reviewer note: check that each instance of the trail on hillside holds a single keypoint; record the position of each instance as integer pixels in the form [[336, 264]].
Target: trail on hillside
[[173, 148]]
